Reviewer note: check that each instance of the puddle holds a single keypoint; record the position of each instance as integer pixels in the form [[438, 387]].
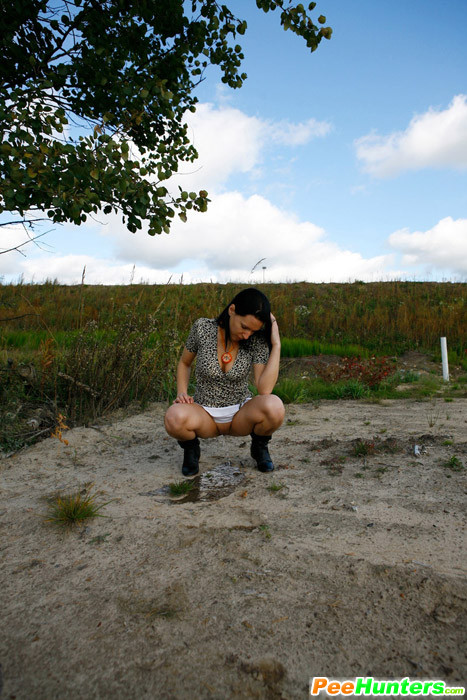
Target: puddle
[[208, 486]]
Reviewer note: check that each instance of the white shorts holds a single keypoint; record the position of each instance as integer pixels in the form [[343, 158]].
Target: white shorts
[[224, 414]]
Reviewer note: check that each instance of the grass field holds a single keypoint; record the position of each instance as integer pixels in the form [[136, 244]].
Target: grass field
[[83, 351]]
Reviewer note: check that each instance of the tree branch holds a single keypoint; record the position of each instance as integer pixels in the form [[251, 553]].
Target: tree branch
[[17, 247]]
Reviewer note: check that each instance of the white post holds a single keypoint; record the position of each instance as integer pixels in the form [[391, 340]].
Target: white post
[[444, 358]]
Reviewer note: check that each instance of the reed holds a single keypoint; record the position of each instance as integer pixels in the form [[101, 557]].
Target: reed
[[384, 317]]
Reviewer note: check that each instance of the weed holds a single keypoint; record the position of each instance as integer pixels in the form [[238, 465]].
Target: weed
[[180, 488], [274, 488], [433, 414], [363, 448], [447, 443], [358, 475], [351, 389], [408, 377], [369, 372], [59, 428], [378, 317], [266, 532], [454, 464], [69, 510], [292, 391]]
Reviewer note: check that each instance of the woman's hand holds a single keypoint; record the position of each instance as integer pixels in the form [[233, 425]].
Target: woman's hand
[[275, 337], [184, 398]]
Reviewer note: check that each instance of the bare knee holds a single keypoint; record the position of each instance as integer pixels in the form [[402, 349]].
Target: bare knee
[[175, 420], [274, 410]]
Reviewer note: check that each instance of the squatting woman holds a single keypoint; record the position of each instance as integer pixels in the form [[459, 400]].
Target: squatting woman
[[244, 336]]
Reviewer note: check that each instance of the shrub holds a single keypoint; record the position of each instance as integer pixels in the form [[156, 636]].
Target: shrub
[[370, 372], [68, 510]]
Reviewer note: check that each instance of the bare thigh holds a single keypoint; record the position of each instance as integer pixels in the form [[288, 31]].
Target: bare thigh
[[266, 410], [191, 417]]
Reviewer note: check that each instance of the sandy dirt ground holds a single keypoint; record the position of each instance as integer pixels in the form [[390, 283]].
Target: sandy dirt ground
[[338, 564]]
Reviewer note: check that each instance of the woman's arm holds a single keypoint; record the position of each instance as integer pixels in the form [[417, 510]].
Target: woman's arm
[[266, 375], [183, 376]]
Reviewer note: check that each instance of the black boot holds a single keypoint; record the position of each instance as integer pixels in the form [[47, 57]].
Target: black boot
[[191, 456], [260, 453]]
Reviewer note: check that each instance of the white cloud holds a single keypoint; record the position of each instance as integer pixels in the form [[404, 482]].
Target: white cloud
[[443, 247], [436, 139], [290, 134], [235, 233], [68, 269], [24, 240], [229, 141]]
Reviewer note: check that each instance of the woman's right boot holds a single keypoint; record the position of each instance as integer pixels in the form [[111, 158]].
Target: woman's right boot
[[191, 456]]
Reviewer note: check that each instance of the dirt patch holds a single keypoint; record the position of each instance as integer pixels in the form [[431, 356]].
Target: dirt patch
[[343, 562]]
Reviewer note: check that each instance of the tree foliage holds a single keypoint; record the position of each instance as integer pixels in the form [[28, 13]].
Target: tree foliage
[[93, 97]]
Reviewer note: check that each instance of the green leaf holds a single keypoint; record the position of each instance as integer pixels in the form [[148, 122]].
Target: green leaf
[[132, 86]]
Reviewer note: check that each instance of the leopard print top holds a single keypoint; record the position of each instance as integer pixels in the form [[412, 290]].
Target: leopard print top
[[213, 386]]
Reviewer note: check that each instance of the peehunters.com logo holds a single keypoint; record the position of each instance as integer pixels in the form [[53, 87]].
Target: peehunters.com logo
[[370, 686]]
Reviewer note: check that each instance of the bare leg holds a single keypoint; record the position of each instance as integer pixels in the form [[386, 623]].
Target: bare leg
[[185, 421], [261, 415]]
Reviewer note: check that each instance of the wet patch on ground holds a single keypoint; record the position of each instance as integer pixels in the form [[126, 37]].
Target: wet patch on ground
[[211, 485]]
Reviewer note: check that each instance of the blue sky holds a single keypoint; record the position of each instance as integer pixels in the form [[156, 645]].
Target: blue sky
[[348, 163]]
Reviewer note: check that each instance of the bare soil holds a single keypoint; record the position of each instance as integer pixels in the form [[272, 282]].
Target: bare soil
[[352, 564]]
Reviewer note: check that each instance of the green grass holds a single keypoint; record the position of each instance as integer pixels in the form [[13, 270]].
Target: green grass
[[301, 347], [72, 509], [308, 390], [408, 377], [275, 488], [180, 488], [380, 317], [292, 390]]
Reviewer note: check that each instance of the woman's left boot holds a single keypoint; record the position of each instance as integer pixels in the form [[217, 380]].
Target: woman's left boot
[[260, 453], [191, 455]]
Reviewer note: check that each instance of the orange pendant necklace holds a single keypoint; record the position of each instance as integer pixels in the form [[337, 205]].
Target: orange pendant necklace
[[226, 357]]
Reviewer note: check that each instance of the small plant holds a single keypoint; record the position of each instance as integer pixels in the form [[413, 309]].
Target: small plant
[[350, 389], [59, 428], [408, 377], [358, 475], [363, 448], [447, 443], [433, 414], [274, 488], [180, 488], [69, 510], [265, 530], [454, 464]]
